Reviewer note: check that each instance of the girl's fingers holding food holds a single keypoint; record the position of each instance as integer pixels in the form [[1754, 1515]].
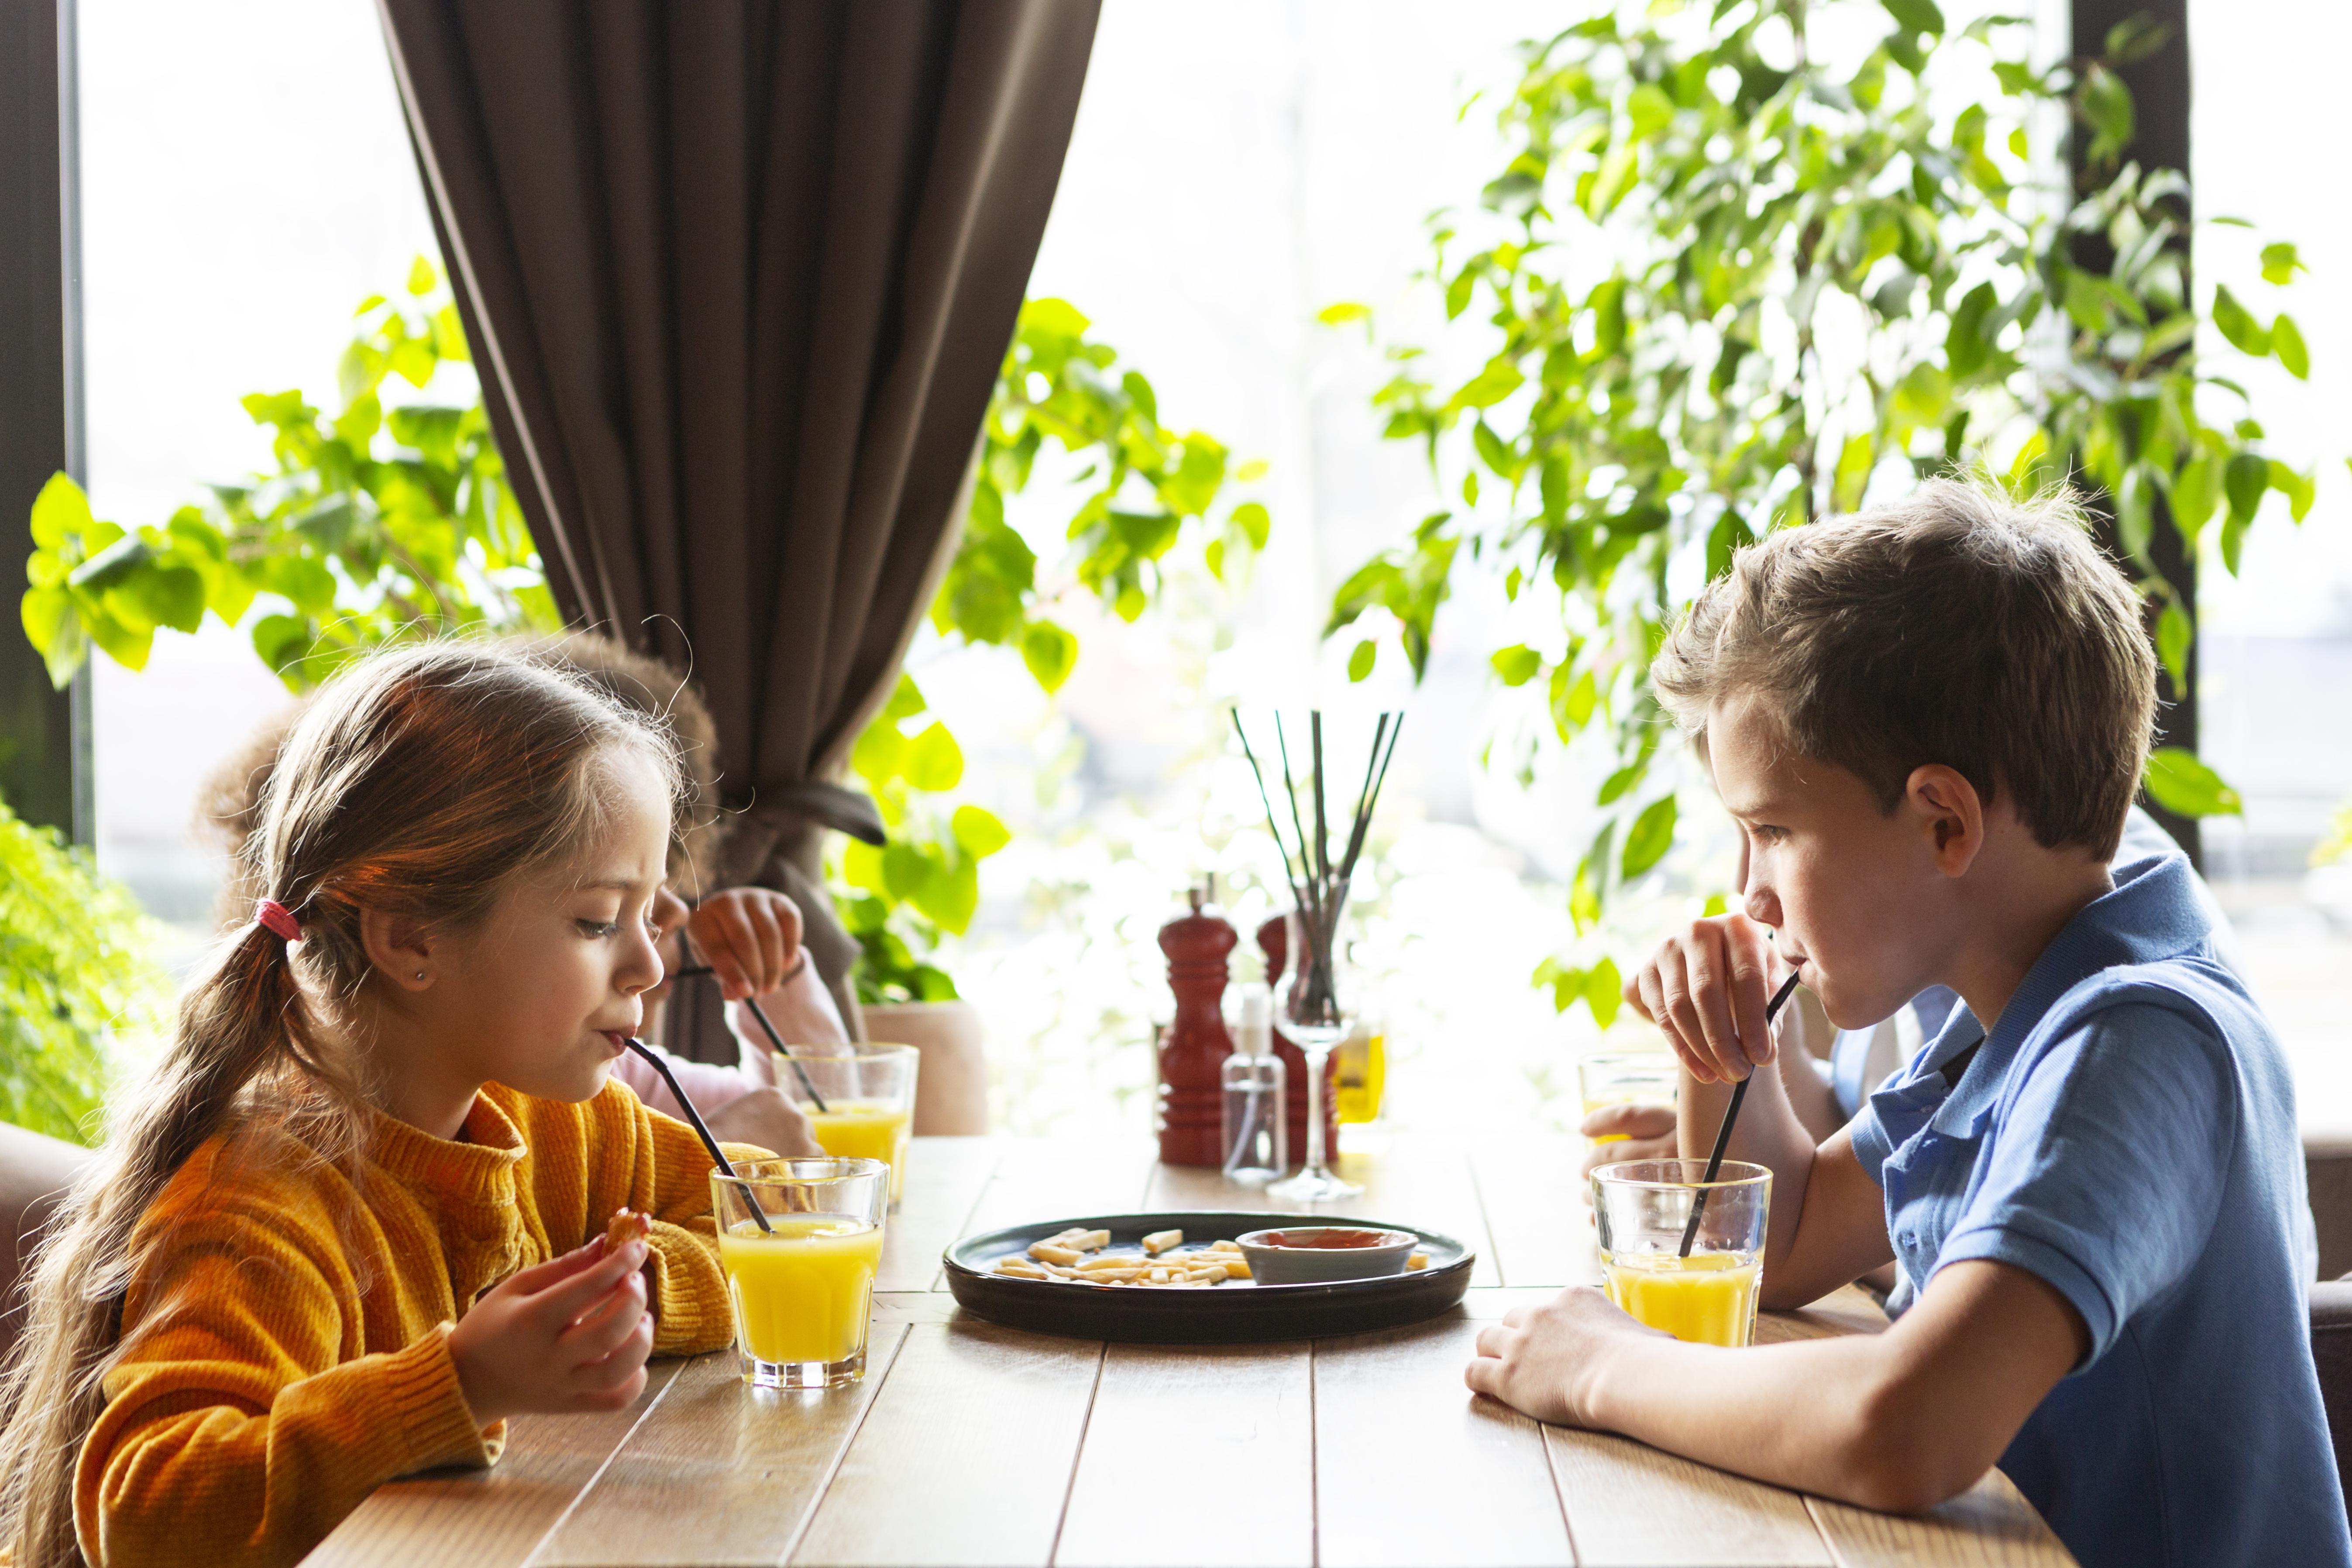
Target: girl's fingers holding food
[[605, 1326], [553, 1311]]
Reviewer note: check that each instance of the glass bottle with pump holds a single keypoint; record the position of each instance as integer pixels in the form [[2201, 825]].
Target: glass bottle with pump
[[1256, 1148]]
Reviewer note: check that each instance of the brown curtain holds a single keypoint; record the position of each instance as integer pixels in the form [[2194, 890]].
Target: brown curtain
[[738, 276]]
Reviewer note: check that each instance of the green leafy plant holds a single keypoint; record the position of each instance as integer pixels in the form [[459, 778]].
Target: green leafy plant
[[1146, 490], [379, 524], [75, 967], [1728, 282], [387, 522]]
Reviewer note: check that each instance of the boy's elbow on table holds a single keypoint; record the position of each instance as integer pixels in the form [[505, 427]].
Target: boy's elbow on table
[[1899, 1458]]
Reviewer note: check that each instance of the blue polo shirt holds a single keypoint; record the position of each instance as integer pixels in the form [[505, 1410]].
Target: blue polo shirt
[[2127, 1134]]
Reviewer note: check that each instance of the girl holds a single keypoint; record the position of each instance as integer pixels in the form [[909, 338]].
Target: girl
[[339, 1234], [749, 936]]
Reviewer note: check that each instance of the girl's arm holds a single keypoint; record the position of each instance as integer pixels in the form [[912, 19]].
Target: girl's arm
[[236, 1430], [1900, 1421], [636, 1158]]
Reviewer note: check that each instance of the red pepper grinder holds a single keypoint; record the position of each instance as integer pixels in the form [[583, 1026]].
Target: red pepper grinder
[[1273, 940], [1194, 1049]]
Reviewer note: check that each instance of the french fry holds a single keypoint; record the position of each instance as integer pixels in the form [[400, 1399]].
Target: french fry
[[1160, 1241], [1236, 1266], [1212, 1275], [1418, 1260], [1047, 1252], [1020, 1269], [1091, 1240], [1107, 1261], [1224, 1246]]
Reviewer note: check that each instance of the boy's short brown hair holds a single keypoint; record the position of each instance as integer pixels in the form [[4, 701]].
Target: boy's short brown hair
[[1957, 626]]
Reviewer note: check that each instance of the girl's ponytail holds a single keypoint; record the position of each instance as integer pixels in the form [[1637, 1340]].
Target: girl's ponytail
[[231, 1023], [416, 782]]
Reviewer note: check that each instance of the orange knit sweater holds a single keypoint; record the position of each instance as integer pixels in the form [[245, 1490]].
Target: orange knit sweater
[[286, 1335]]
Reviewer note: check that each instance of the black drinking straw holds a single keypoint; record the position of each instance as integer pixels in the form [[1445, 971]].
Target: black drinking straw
[[1730, 1115], [773, 1038], [701, 1128]]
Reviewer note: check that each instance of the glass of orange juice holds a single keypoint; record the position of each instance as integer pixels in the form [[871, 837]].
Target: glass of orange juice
[[799, 1241], [868, 1089], [1626, 1077], [1708, 1294]]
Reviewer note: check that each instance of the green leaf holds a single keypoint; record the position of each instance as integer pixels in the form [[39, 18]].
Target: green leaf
[[170, 597], [1256, 525], [1854, 466], [1613, 787], [2280, 263], [1498, 380], [1050, 652], [934, 763], [979, 832], [1652, 834], [1604, 992], [1915, 16], [2173, 636], [1359, 662], [1516, 665], [2196, 492], [421, 276], [2286, 342], [2245, 334], [2245, 480], [2299, 488], [2179, 780], [60, 511], [1341, 315], [907, 869], [2107, 105], [951, 898]]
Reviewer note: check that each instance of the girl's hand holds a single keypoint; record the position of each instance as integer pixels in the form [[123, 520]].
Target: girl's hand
[[750, 937], [571, 1335], [1642, 1132], [1547, 1361], [1706, 987], [768, 1118]]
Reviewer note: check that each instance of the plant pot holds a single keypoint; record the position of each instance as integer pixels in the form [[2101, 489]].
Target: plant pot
[[951, 1088]]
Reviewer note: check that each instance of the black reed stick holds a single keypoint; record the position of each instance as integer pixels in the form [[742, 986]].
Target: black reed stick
[[1290, 789], [1372, 799], [1266, 801], [1322, 833], [1730, 1115], [702, 1129]]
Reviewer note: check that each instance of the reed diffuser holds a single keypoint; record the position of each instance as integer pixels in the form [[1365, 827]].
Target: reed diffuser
[[1313, 1017]]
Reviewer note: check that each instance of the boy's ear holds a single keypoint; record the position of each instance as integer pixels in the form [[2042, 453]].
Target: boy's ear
[[402, 949], [1950, 812]]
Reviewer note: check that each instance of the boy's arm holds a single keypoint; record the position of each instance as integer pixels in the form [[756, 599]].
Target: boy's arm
[[1899, 1421]]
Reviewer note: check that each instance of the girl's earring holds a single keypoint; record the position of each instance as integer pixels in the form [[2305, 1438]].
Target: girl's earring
[[420, 974]]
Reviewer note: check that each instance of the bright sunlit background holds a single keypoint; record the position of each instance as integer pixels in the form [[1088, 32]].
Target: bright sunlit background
[[1237, 165]]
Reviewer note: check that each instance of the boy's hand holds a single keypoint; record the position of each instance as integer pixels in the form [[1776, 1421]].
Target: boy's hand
[[750, 937], [1543, 1361], [1642, 1132], [1706, 987], [569, 1334]]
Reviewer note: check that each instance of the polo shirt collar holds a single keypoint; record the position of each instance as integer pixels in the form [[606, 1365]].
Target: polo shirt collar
[[2152, 913]]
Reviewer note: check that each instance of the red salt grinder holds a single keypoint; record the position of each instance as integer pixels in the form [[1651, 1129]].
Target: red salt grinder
[[1194, 1049], [1273, 940]]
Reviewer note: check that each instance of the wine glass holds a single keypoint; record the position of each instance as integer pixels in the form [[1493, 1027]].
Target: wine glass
[[1315, 1022]]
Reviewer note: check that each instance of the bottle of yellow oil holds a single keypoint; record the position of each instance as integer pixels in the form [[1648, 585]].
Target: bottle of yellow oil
[[1362, 1060]]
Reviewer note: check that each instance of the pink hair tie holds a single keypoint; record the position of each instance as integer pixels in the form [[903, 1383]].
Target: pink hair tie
[[278, 918]]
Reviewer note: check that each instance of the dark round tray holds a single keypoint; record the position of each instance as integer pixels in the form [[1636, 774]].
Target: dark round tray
[[1236, 1313]]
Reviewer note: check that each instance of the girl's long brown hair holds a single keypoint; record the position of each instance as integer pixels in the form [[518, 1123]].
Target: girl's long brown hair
[[418, 782]]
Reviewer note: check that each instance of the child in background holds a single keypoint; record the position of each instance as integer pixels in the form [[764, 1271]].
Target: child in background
[[1930, 722], [354, 1218], [750, 937]]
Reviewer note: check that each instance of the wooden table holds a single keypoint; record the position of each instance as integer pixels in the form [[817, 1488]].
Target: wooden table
[[969, 1446]]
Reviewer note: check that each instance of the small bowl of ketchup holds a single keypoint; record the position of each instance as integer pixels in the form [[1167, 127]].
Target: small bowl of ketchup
[[1325, 1254]]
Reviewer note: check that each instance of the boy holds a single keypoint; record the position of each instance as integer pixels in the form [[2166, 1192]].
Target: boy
[[1930, 722]]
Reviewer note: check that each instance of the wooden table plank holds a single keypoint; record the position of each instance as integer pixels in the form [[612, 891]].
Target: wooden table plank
[[945, 1178], [1632, 1506], [1990, 1525], [965, 1455], [1541, 1226], [1196, 1455], [1037, 1181], [745, 1465], [493, 1518], [1413, 1469]]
